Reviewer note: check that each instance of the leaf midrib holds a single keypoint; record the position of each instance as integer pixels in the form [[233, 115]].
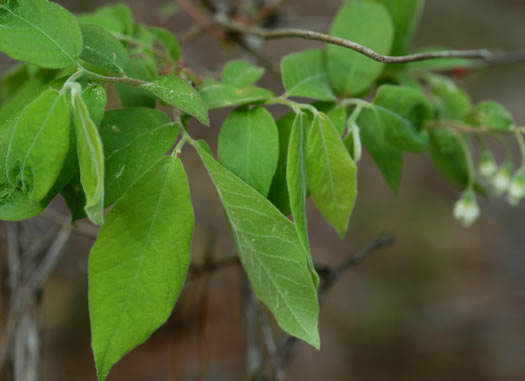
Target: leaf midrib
[[273, 282], [40, 131], [41, 31], [141, 256]]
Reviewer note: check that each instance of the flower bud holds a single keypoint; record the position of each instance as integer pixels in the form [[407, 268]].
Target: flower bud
[[466, 209], [517, 188], [356, 138], [487, 165], [502, 179]]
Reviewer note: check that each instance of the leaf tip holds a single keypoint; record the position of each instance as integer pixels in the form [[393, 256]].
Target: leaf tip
[[314, 340]]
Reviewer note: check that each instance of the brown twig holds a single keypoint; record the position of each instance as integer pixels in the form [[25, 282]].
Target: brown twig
[[267, 11], [477, 54], [201, 19], [20, 341], [476, 130]]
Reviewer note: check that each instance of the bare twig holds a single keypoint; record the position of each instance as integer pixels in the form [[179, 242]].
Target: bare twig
[[478, 54], [51, 258], [200, 18], [477, 130], [21, 342], [331, 278], [13, 253], [267, 11]]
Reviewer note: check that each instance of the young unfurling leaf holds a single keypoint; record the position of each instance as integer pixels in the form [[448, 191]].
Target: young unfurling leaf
[[90, 158]]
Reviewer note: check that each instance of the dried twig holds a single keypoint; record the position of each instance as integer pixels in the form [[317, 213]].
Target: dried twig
[[200, 18], [477, 130], [477, 54], [267, 11], [21, 341]]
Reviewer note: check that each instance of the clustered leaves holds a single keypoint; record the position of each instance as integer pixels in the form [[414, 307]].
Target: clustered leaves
[[56, 137]]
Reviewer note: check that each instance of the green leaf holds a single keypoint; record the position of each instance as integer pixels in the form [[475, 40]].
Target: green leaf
[[450, 101], [337, 114], [143, 34], [248, 146], [90, 159], [14, 204], [115, 18], [96, 101], [69, 180], [405, 15], [493, 115], [448, 156], [241, 73], [368, 24], [270, 252], [39, 32], [27, 91], [41, 128], [139, 67], [278, 194], [218, 94], [74, 197], [102, 49], [403, 112], [139, 262], [304, 75], [167, 40], [296, 181], [388, 158], [134, 139], [332, 174], [13, 79], [179, 93]]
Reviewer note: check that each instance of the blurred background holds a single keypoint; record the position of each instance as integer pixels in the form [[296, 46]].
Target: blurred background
[[442, 303]]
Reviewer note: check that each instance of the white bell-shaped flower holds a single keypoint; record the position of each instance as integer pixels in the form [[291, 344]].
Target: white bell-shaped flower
[[487, 165], [517, 188], [466, 209], [501, 181]]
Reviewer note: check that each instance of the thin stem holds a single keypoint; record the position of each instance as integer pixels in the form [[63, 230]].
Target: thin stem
[[180, 144], [355, 114], [355, 102], [159, 53], [480, 54], [508, 148], [470, 162], [521, 144], [296, 106], [103, 78], [79, 73], [461, 128]]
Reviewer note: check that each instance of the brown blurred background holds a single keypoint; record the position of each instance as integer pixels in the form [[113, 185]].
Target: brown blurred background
[[444, 303]]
